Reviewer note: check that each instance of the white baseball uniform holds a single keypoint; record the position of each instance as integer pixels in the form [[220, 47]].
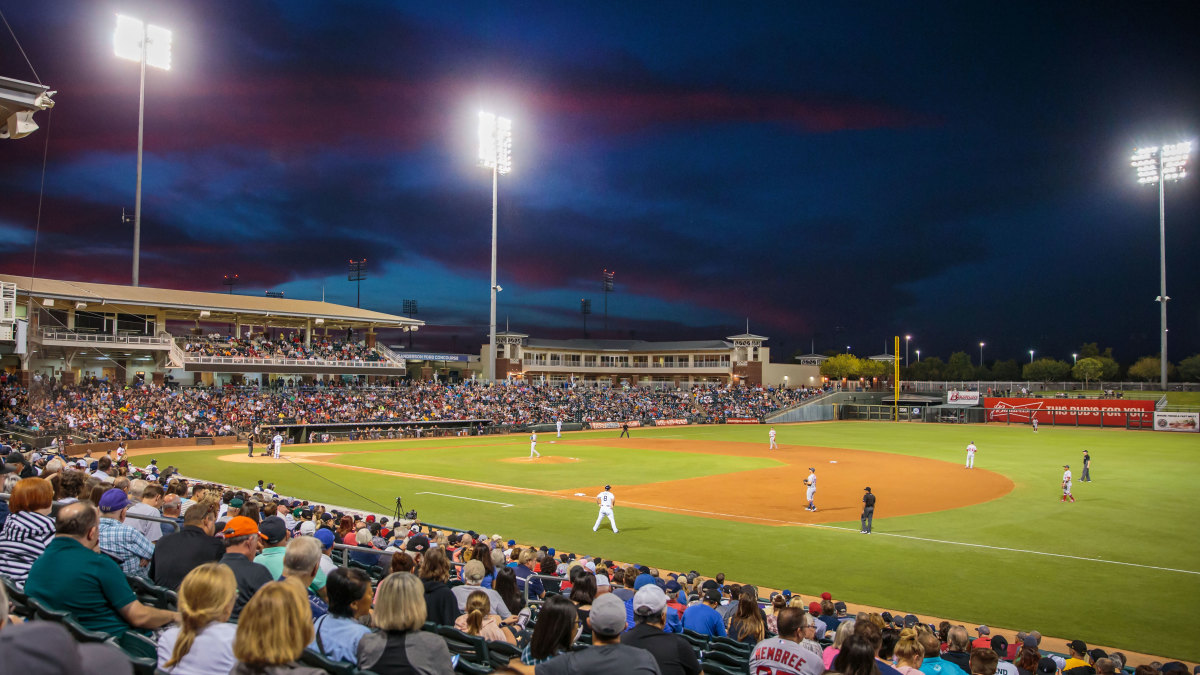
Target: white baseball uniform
[[558, 426], [1033, 422], [811, 481], [605, 500], [533, 446], [774, 445], [970, 455], [1066, 483], [277, 442]]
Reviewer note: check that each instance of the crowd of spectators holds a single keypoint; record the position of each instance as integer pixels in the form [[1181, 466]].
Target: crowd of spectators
[[98, 410], [290, 347], [266, 562]]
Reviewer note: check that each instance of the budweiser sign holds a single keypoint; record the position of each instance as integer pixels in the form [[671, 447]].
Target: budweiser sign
[[1091, 412], [670, 423]]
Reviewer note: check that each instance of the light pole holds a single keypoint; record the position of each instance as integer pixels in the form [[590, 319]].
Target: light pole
[[1031, 356], [906, 340], [1074, 358], [981, 354], [149, 45], [918, 351], [1159, 165], [495, 152]]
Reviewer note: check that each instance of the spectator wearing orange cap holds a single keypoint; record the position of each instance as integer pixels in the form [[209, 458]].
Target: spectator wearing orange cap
[[242, 540]]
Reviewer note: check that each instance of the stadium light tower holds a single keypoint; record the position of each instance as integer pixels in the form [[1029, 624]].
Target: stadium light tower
[[495, 152], [907, 338], [1159, 165], [1031, 356], [150, 46], [980, 353]]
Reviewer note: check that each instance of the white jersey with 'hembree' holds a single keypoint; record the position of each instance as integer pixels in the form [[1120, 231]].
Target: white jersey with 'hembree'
[[605, 499]]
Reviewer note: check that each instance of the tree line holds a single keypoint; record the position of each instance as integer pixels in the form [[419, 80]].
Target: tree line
[[1093, 365]]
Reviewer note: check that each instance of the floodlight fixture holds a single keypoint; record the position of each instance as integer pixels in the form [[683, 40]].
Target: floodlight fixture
[[1156, 166], [495, 142]]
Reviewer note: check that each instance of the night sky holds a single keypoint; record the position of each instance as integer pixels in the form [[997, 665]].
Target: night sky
[[837, 173]]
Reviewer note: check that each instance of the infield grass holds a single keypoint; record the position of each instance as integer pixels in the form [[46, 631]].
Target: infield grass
[[984, 563]]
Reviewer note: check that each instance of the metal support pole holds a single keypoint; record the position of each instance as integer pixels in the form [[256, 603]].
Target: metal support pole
[[137, 199], [1162, 269], [491, 365]]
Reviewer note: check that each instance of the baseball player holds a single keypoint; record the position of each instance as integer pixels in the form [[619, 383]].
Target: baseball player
[[811, 482], [1086, 476], [277, 442], [606, 500], [558, 427], [1066, 484], [1033, 422], [250, 446], [970, 455], [771, 435], [121, 450], [533, 446]]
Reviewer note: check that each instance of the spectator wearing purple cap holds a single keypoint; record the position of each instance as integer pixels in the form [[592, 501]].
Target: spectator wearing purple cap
[[121, 541]]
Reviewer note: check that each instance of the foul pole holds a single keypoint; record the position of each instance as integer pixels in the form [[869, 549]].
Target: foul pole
[[896, 379]]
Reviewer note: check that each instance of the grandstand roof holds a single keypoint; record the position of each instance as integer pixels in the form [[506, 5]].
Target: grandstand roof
[[631, 345], [226, 303]]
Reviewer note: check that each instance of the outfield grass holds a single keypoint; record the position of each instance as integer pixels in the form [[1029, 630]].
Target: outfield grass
[[1139, 511]]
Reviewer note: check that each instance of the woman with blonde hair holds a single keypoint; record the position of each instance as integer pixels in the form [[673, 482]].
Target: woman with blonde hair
[[398, 645], [909, 654], [844, 630], [203, 643], [273, 630], [479, 620]]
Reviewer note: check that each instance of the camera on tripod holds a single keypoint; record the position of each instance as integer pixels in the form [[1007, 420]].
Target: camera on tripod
[[408, 515]]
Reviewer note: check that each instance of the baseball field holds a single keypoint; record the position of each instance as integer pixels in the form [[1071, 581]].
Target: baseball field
[[993, 545]]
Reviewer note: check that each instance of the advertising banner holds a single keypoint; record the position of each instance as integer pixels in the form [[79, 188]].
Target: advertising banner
[[1089, 411], [1176, 421], [741, 420], [962, 398], [614, 425], [670, 423]]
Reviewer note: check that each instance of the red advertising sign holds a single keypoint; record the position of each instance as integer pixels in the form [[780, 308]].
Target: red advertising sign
[[1090, 411], [741, 420], [670, 423]]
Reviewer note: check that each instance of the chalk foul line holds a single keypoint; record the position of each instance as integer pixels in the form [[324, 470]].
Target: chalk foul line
[[485, 501]]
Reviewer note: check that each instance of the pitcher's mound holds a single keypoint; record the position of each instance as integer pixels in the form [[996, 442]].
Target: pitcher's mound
[[544, 459]]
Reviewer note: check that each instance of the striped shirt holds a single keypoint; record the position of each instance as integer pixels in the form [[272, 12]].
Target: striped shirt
[[127, 545], [23, 539]]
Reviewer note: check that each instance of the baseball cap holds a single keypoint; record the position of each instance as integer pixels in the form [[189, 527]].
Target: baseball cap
[[1066, 466], [711, 595], [827, 596], [999, 644], [236, 503], [887, 616], [786, 593], [840, 606], [417, 543], [983, 630], [1098, 654], [910, 620], [241, 526], [642, 580], [814, 608], [1046, 666], [113, 500], [607, 487], [649, 600], [371, 519], [1030, 641], [1078, 646], [602, 580], [307, 528], [325, 537], [673, 586], [273, 529], [868, 488], [812, 468], [1173, 666], [511, 542], [608, 615]]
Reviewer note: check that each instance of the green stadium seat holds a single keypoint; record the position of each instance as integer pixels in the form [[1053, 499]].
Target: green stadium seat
[[82, 634], [711, 668], [311, 658], [469, 647], [725, 659], [501, 653]]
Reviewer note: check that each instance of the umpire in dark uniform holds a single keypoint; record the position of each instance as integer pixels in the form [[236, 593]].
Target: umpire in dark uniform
[[868, 511], [1086, 476]]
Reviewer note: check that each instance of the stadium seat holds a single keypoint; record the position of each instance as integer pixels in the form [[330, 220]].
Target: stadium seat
[[470, 668], [696, 640], [136, 645], [45, 613], [311, 658], [501, 653], [82, 634], [17, 599], [152, 595], [470, 647], [729, 645], [725, 659], [712, 668]]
